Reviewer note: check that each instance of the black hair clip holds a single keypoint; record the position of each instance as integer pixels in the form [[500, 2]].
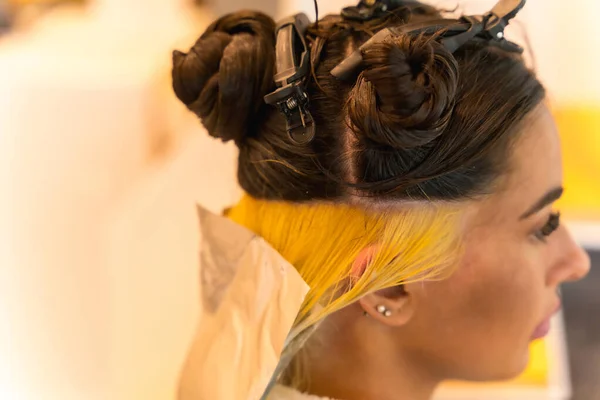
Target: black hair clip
[[293, 61], [369, 9], [454, 33]]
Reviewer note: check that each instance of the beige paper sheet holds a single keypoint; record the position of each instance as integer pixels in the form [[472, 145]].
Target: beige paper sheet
[[250, 296]]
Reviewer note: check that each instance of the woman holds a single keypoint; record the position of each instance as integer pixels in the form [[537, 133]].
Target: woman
[[420, 213]]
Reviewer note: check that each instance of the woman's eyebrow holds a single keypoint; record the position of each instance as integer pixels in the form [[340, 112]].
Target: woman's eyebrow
[[550, 197]]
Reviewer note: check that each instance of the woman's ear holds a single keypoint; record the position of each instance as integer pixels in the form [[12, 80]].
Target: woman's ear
[[361, 262], [393, 306]]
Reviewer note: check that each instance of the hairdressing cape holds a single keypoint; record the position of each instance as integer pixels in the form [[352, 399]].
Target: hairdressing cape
[[249, 298]]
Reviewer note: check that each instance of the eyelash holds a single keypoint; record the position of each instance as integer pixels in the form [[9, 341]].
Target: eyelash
[[550, 226]]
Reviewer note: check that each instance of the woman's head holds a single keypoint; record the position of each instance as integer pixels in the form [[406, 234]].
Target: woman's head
[[424, 150]]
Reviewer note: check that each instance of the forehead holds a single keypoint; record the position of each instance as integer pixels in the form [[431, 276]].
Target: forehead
[[535, 167], [536, 160]]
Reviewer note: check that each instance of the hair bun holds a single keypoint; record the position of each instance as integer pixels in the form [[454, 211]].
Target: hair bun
[[405, 96], [225, 75]]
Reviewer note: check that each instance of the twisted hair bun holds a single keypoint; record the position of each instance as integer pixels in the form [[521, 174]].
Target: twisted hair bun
[[227, 72], [405, 96]]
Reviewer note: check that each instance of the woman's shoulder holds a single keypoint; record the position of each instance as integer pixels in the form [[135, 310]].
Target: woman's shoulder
[[285, 393]]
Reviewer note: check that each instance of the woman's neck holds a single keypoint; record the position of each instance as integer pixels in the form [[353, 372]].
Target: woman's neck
[[347, 382], [351, 366]]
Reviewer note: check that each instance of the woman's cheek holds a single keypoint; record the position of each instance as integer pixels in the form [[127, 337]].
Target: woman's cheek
[[505, 288]]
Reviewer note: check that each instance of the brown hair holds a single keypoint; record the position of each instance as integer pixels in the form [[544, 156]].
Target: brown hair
[[417, 123]]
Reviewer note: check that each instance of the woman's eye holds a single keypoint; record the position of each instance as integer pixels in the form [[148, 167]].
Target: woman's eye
[[551, 225]]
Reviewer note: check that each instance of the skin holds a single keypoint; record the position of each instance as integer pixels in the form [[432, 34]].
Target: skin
[[477, 324]]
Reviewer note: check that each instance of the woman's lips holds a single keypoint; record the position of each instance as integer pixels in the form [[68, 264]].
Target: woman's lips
[[544, 327]]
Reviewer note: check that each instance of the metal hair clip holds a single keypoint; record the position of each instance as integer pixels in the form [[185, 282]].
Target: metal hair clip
[[293, 60], [454, 33], [489, 26]]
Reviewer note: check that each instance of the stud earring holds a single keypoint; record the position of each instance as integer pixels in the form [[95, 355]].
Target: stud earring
[[381, 309]]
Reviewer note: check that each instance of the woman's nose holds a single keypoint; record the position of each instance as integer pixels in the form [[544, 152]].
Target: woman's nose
[[573, 261]]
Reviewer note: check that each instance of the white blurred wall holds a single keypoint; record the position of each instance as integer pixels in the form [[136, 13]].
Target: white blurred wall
[[100, 168]]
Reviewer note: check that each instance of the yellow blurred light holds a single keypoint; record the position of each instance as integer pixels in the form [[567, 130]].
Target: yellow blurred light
[[580, 133]]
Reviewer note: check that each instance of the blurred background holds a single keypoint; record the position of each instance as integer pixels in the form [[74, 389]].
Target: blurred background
[[100, 168]]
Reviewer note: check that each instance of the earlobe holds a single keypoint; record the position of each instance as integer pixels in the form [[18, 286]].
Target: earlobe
[[392, 306]]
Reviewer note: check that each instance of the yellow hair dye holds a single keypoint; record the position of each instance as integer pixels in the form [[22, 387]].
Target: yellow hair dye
[[323, 240]]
